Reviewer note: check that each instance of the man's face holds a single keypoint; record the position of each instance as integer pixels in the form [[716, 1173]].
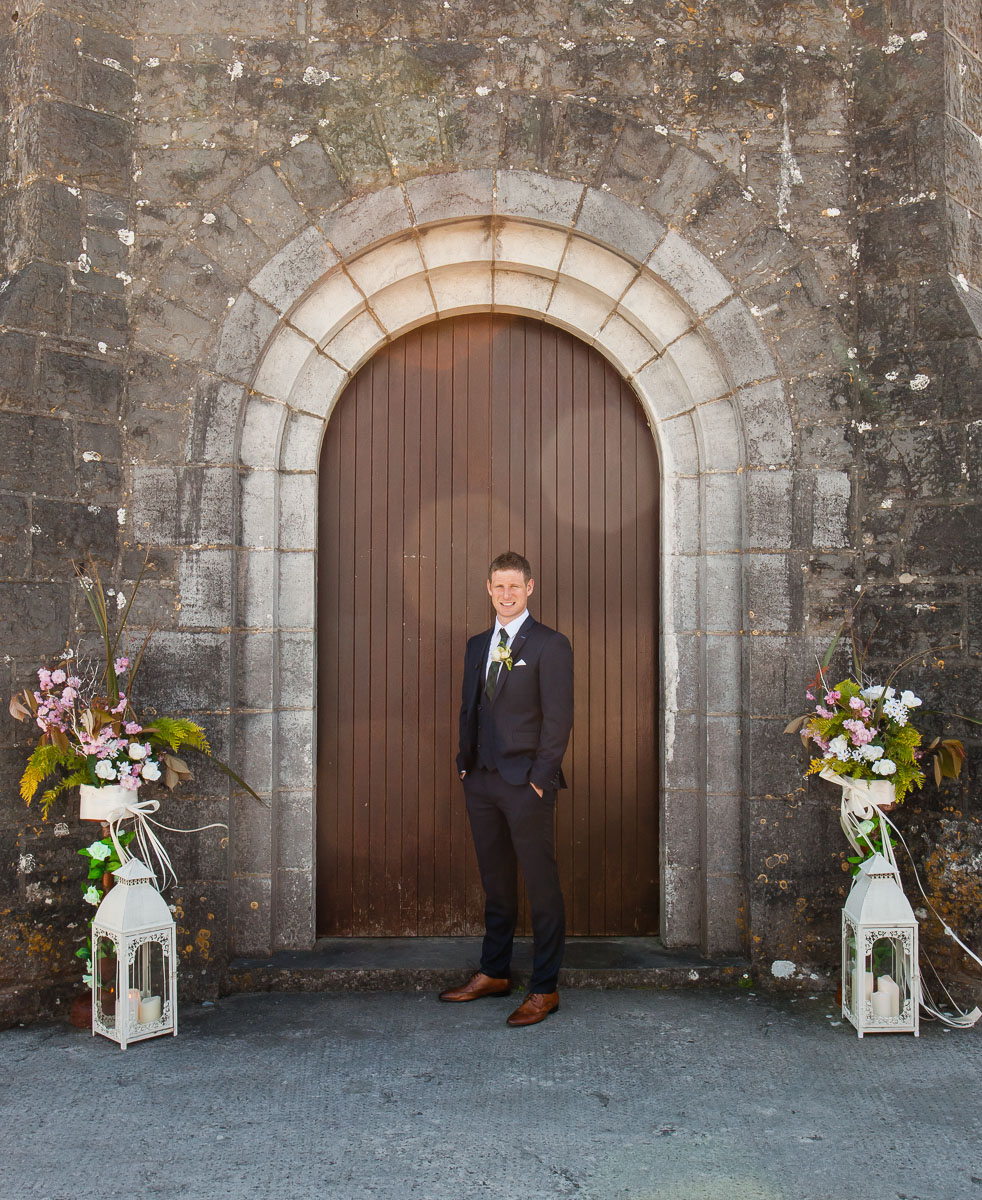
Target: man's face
[[509, 594]]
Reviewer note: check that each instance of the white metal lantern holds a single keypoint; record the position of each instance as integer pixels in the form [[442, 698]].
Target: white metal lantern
[[134, 960], [880, 977]]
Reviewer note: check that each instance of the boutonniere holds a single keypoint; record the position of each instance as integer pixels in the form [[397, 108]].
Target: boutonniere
[[502, 654]]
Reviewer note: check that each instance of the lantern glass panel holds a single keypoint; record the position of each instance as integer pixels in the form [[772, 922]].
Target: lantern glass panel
[[849, 968], [104, 980], [148, 979], [888, 959]]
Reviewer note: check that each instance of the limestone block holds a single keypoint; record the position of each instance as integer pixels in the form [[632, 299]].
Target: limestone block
[[723, 775], [257, 509], [255, 588], [739, 342], [724, 599], [261, 425], [684, 579], [768, 522], [250, 913], [592, 264], [282, 362], [578, 307], [681, 825], [366, 220], [189, 670], [679, 450], [461, 242], [768, 590], [723, 512], [719, 436], [663, 389], [35, 617], [253, 670], [311, 177], [295, 592], [536, 197], [332, 304], [170, 328], [518, 292], [398, 259], [618, 225], [655, 310], [296, 685], [724, 658], [231, 243], [301, 443], [449, 196], [298, 512], [353, 343], [295, 762], [681, 904], [205, 578], [252, 742], [246, 331], [688, 273], [684, 514], [318, 386], [403, 305], [81, 385], [215, 418], [626, 348], [530, 246], [293, 920], [766, 424], [462, 289], [291, 272], [830, 510]]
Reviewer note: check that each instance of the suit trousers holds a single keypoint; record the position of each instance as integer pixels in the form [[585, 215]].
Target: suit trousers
[[512, 826]]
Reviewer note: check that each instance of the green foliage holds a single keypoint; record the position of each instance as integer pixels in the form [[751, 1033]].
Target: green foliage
[[44, 760], [175, 732]]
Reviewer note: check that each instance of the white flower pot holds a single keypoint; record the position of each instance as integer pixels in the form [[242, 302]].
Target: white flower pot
[[99, 803]]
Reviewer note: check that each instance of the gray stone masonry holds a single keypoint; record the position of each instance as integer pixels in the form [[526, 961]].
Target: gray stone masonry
[[767, 215]]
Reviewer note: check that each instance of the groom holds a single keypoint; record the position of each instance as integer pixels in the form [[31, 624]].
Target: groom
[[515, 722]]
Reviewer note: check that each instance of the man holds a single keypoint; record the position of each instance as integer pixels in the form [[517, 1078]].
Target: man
[[515, 721]]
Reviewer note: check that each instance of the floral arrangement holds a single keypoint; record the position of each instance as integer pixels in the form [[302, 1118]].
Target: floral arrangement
[[865, 730], [90, 732], [501, 654]]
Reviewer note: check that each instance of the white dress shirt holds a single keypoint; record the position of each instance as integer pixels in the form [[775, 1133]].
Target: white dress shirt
[[511, 629]]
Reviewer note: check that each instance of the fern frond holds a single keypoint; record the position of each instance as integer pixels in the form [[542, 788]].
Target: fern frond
[[43, 761], [176, 732], [52, 794]]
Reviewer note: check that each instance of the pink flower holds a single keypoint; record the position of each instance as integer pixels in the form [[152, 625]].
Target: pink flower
[[809, 695], [58, 676], [132, 727], [74, 681], [129, 781], [68, 695], [832, 697], [121, 706], [44, 678], [824, 712], [855, 704], [121, 664]]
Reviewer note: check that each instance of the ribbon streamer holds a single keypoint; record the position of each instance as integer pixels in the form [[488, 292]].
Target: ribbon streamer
[[856, 807], [151, 847]]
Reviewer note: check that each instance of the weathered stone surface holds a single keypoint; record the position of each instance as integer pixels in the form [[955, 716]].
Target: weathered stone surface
[[63, 533]]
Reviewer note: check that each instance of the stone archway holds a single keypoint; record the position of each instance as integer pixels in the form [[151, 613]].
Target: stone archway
[[668, 321]]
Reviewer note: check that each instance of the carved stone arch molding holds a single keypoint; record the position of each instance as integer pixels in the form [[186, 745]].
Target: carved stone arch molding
[[578, 257]]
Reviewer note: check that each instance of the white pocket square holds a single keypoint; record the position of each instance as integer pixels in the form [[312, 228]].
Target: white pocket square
[[521, 663]]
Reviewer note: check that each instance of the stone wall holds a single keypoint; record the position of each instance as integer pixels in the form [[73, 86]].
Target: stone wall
[[176, 177]]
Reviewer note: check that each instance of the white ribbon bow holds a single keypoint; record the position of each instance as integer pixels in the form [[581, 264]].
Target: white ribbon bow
[[858, 806], [146, 839]]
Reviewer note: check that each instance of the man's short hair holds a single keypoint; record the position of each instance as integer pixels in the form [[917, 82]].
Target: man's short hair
[[511, 561]]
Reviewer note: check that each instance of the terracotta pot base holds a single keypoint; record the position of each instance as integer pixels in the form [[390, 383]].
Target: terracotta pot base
[[80, 1011]]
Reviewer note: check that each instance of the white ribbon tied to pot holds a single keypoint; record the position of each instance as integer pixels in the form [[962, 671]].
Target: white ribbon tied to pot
[[151, 847], [861, 800]]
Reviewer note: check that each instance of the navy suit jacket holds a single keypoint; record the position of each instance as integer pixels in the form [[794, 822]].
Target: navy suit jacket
[[531, 715]]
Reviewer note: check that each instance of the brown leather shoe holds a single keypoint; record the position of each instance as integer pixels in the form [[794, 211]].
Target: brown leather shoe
[[477, 986], [534, 1008]]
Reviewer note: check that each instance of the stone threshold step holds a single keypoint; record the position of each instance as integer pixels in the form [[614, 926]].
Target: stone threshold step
[[418, 964]]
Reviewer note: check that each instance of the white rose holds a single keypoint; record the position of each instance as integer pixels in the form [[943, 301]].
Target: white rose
[[871, 752], [909, 700], [137, 751], [150, 771], [104, 769], [872, 693], [839, 746], [884, 766], [99, 851], [92, 896]]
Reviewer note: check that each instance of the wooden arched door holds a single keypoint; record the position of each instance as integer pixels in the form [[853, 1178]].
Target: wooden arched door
[[464, 438]]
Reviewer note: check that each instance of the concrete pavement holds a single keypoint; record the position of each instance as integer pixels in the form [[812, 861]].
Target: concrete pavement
[[622, 1095]]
